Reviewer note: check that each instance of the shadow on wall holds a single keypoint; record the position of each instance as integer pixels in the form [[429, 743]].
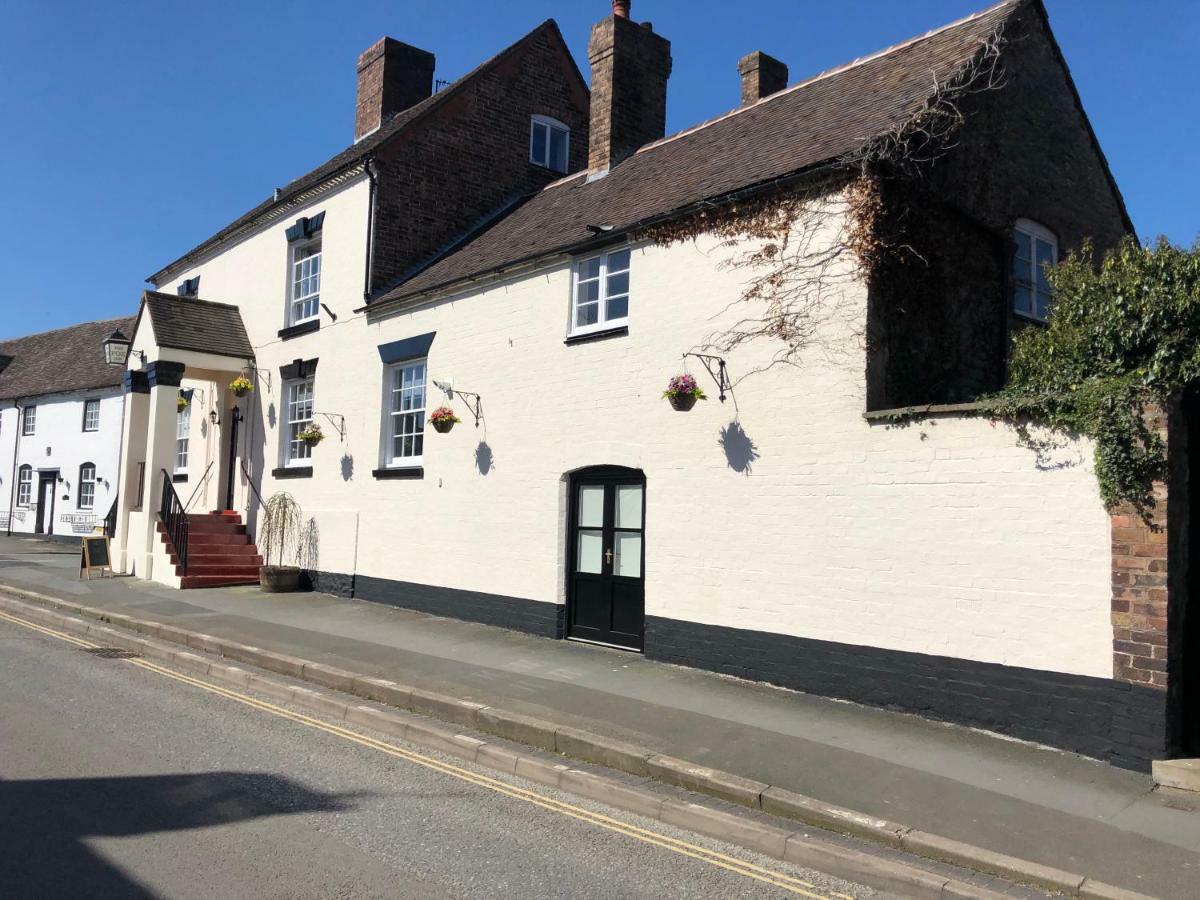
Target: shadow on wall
[[347, 467], [45, 824], [740, 450], [485, 460], [308, 553]]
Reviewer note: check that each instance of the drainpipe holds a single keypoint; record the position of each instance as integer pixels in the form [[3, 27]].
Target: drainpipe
[[368, 166], [12, 490]]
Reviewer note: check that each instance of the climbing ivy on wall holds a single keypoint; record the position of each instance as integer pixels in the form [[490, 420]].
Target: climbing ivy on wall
[[1123, 334]]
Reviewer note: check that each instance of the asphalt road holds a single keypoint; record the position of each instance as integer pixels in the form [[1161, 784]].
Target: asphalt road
[[117, 781]]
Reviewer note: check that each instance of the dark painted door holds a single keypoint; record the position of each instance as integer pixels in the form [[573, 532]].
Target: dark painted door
[[1186, 709], [47, 482], [606, 591]]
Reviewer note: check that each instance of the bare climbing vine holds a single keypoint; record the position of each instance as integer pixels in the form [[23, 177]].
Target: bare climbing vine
[[798, 247]]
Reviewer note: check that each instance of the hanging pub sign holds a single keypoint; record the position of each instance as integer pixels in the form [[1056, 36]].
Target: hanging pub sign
[[94, 556]]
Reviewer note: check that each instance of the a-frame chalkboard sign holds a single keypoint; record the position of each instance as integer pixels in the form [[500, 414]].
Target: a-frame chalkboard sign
[[94, 556]]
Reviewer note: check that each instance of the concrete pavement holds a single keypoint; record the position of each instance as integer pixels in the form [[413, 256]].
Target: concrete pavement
[[1025, 801]]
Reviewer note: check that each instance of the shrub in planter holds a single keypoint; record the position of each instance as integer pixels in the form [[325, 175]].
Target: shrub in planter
[[279, 539], [443, 419], [683, 392], [311, 435], [241, 386]]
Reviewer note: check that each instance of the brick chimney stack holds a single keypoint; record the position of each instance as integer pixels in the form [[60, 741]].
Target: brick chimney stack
[[392, 76], [762, 76], [630, 68]]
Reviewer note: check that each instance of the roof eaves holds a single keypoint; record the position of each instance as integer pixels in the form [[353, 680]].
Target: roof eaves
[[826, 167]]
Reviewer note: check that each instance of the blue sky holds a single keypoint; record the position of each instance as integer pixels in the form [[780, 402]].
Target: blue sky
[[134, 130]]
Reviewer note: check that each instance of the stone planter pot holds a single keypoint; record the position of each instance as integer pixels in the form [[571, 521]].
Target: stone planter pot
[[682, 402], [279, 579], [441, 426]]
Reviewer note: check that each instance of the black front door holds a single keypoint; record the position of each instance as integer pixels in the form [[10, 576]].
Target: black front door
[[606, 600], [47, 483]]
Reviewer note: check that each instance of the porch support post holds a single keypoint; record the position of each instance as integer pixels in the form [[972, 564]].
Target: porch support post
[[133, 452], [164, 378]]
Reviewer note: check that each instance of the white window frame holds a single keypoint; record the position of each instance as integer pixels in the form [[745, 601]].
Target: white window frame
[[183, 438], [1035, 232], [603, 321], [91, 414], [542, 143], [297, 415], [24, 485], [304, 282], [28, 420], [398, 418], [87, 486]]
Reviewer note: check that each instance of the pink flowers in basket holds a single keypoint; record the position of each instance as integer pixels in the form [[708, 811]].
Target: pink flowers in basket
[[443, 419], [683, 392]]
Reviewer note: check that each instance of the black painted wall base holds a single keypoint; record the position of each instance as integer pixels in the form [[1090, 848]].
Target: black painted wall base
[[516, 613], [1121, 723]]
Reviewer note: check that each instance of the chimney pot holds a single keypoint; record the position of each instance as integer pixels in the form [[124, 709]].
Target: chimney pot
[[762, 76], [621, 8], [630, 68], [392, 76]]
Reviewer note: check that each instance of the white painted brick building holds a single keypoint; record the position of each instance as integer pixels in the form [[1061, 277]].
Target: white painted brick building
[[798, 532]]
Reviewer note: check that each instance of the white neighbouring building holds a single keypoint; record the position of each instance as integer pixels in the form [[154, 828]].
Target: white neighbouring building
[[792, 533], [60, 431]]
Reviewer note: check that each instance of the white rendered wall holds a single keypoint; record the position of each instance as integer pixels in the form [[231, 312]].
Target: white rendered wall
[[59, 442], [944, 538]]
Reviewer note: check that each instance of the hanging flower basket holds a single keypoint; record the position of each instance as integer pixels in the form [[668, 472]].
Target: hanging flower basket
[[311, 435], [241, 386], [443, 419], [182, 403], [683, 392]]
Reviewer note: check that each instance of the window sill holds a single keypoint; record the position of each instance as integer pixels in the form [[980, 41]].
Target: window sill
[[179, 478], [302, 328], [292, 472], [399, 472], [587, 336], [1028, 317]]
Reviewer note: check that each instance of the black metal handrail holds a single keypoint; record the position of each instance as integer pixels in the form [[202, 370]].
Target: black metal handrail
[[261, 504], [174, 519], [110, 521], [199, 484]]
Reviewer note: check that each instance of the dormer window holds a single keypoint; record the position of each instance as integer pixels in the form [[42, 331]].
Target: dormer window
[[1037, 248], [549, 142]]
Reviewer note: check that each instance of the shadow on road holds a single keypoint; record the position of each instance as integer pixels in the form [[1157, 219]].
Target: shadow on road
[[43, 823]]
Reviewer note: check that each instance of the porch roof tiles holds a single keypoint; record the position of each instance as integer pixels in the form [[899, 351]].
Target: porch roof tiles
[[203, 326]]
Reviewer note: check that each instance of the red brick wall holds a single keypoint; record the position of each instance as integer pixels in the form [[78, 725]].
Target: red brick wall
[[472, 158], [1143, 552]]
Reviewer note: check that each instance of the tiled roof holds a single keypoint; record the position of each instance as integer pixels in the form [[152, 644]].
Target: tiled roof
[[66, 359], [185, 323], [353, 155], [814, 122]]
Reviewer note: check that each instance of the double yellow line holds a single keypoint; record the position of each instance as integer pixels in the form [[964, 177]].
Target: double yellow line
[[683, 848]]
